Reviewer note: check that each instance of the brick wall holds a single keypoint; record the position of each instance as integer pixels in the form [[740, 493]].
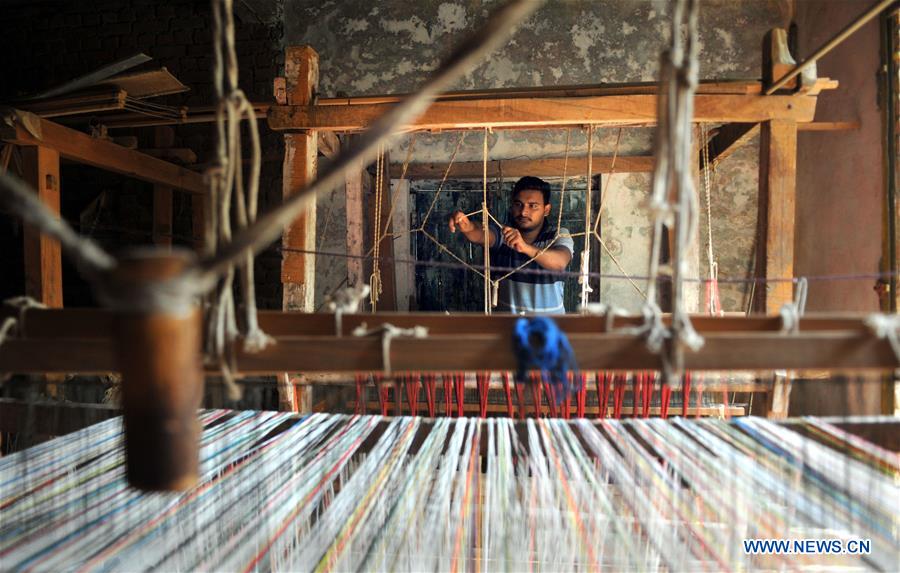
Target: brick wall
[[49, 42]]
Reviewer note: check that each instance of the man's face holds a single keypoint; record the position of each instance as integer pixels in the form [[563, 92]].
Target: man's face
[[528, 209]]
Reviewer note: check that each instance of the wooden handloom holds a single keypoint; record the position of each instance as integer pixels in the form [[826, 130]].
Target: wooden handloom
[[73, 340]]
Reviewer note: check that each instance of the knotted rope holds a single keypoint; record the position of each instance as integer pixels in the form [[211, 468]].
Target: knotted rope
[[388, 333]]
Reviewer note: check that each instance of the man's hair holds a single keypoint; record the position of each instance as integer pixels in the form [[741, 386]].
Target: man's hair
[[533, 183]]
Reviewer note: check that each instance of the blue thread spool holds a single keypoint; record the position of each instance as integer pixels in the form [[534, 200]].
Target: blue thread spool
[[539, 344]]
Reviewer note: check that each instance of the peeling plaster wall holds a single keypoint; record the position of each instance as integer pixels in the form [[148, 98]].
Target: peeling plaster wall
[[390, 46]]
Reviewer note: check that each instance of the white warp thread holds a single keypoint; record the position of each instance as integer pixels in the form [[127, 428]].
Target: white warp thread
[[886, 327]]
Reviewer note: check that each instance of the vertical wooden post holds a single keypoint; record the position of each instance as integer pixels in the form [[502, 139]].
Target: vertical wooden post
[[405, 272], [353, 187], [43, 258], [163, 137], [775, 253], [298, 269]]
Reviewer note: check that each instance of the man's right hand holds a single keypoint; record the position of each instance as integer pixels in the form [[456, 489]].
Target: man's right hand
[[458, 219]]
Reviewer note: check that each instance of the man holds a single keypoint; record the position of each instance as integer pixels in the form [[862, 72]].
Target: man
[[511, 246]]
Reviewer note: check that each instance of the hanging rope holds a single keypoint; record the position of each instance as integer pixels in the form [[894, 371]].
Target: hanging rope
[[678, 81], [584, 279], [375, 277], [714, 304], [485, 227]]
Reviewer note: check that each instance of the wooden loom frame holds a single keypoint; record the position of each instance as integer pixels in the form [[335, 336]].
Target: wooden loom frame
[[483, 343]]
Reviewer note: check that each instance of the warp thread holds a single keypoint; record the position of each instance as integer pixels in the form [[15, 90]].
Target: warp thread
[[539, 344]]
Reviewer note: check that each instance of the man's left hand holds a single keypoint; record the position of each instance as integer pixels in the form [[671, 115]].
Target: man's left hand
[[513, 238]]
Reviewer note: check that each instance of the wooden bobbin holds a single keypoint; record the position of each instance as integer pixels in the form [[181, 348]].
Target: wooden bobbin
[[158, 351]]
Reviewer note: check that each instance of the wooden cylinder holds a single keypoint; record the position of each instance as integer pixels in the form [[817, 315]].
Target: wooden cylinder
[[158, 351]]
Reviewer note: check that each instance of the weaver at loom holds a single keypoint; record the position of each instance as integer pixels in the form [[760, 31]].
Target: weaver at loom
[[548, 475]]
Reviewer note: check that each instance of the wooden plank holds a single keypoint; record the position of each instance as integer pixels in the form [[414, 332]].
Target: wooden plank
[[735, 87], [829, 126], [298, 265], [43, 256], [730, 138], [546, 112], [548, 167], [89, 323], [777, 196], [163, 137], [775, 256], [82, 148], [404, 273], [52, 418], [839, 350], [298, 269], [353, 187]]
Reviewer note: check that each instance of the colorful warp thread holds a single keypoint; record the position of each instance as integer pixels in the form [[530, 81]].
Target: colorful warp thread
[[340, 493]]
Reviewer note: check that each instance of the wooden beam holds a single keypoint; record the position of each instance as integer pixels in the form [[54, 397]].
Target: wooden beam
[[52, 418], [163, 138], [730, 138], [735, 87], [298, 268], [545, 112], [777, 197], [775, 255], [353, 187], [89, 323], [829, 126], [405, 274], [82, 148], [548, 167], [837, 350], [43, 256]]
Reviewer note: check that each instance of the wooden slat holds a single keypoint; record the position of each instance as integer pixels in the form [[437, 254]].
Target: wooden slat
[[838, 350], [549, 167], [777, 194], [734, 87], [83, 323], [51, 418], [544, 112], [82, 148], [353, 187], [298, 269], [43, 256], [730, 138]]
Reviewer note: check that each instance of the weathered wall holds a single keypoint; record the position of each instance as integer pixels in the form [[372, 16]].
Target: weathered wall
[[840, 193], [391, 46], [840, 188]]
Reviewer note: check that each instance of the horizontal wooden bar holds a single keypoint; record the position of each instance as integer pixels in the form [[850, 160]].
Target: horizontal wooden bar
[[95, 323], [738, 87], [550, 167], [836, 350], [82, 148], [90, 323], [546, 112], [51, 418], [829, 126]]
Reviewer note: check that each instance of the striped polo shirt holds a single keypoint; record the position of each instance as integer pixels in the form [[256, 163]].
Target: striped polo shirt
[[537, 293]]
